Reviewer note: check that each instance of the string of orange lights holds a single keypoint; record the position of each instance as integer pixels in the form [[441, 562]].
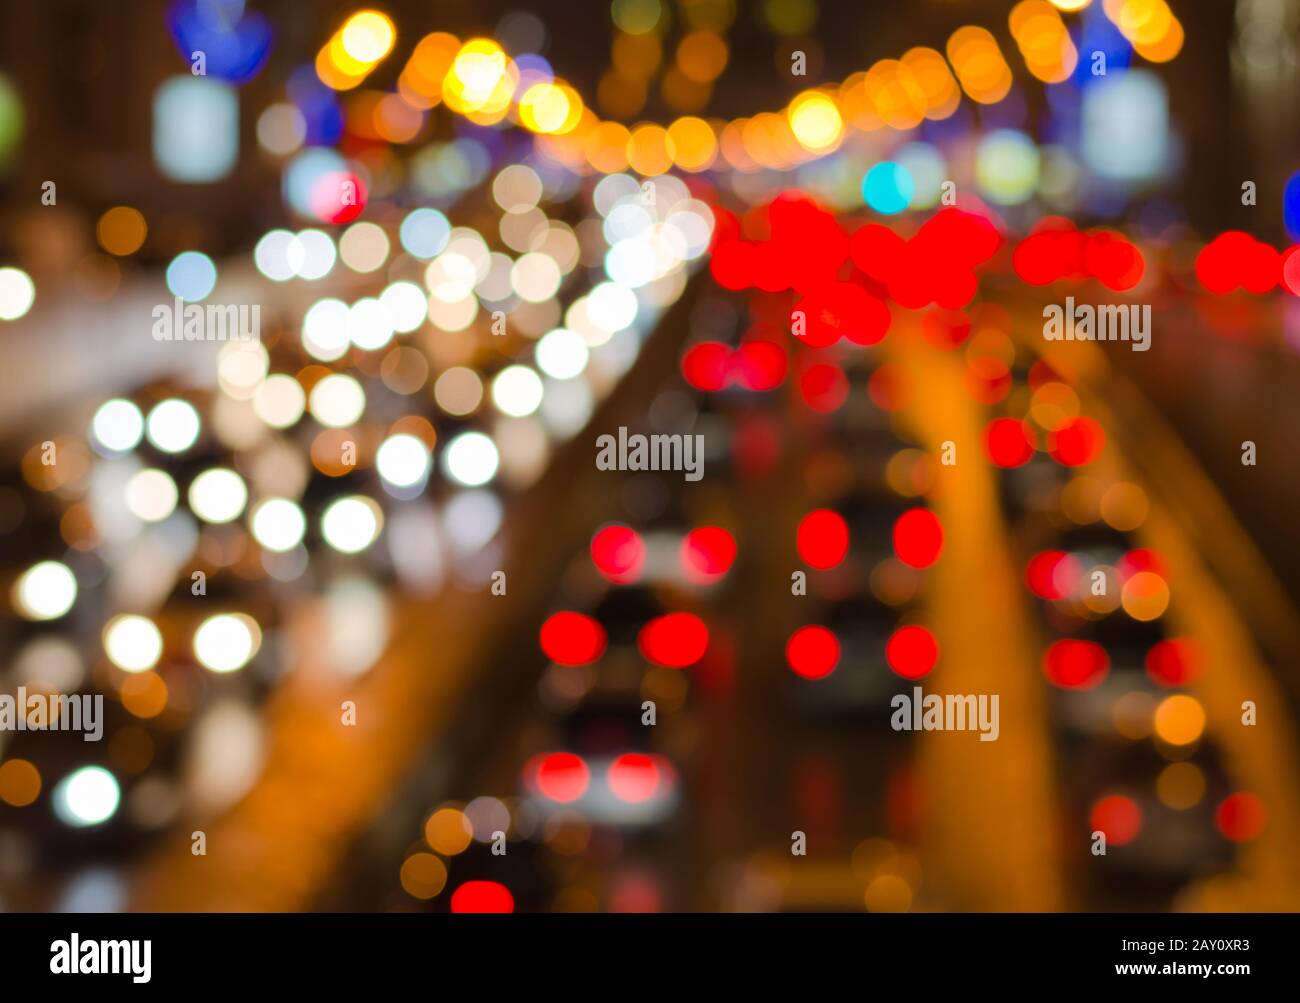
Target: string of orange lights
[[478, 80]]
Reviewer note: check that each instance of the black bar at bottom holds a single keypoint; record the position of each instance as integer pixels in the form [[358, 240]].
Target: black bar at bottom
[[331, 951]]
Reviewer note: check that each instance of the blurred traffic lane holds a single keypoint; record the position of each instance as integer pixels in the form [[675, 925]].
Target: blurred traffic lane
[[1233, 617], [1222, 372], [991, 807], [325, 783]]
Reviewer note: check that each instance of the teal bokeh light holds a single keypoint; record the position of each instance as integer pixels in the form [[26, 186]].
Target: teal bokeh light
[[888, 188]]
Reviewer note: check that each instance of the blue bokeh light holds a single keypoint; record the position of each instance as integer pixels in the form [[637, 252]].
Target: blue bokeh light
[[235, 43], [1291, 206], [192, 276], [424, 233]]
